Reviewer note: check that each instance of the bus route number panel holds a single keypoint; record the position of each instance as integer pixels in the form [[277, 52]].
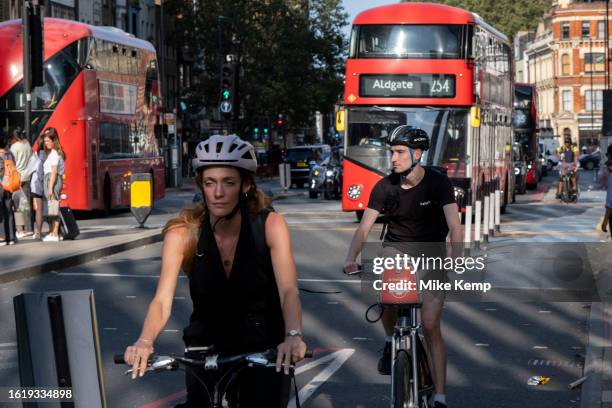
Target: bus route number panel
[[407, 86]]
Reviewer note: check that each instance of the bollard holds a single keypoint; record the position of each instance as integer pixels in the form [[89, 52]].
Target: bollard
[[497, 210], [477, 214], [492, 210], [485, 224], [284, 171], [141, 197], [468, 225]]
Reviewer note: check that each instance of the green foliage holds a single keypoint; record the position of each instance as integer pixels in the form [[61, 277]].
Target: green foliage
[[508, 16], [291, 57]]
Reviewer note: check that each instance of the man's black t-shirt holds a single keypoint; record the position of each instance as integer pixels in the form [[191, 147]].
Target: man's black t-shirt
[[416, 214]]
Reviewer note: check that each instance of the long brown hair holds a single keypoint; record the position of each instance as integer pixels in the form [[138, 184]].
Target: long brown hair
[[192, 218], [51, 133]]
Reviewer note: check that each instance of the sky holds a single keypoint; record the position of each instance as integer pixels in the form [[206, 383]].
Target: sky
[[354, 7]]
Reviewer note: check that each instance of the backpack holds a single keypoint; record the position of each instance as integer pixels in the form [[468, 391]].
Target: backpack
[[11, 181]]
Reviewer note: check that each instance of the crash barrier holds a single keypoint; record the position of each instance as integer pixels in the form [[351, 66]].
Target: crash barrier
[[58, 346]]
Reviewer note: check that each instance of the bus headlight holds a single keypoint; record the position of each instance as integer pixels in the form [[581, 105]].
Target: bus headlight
[[354, 192], [329, 173]]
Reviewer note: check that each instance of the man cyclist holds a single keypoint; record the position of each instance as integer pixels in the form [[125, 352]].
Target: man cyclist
[[425, 211], [568, 159]]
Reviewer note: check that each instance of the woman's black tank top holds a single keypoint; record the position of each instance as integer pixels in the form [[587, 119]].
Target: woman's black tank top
[[239, 313]]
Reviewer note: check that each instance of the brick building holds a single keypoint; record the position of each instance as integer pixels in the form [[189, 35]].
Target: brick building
[[566, 62]]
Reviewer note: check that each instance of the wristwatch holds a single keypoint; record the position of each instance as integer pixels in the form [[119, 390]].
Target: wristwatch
[[293, 333]]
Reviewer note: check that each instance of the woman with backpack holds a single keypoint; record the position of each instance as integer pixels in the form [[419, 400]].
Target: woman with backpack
[[6, 197], [244, 300]]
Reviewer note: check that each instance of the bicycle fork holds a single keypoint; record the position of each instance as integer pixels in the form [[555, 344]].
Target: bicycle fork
[[407, 325]]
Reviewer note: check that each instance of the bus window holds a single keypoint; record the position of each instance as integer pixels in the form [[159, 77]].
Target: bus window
[[410, 41]]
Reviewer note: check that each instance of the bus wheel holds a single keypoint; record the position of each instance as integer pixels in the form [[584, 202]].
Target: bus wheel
[[107, 195], [502, 208]]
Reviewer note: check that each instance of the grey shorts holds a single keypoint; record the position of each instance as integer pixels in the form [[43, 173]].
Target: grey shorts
[[57, 188]]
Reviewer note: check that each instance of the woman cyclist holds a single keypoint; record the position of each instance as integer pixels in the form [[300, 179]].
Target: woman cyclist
[[242, 302]]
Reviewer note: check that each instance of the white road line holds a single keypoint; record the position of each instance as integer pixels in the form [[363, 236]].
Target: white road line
[[540, 347], [171, 331], [338, 359], [482, 345], [8, 344], [545, 311], [360, 338]]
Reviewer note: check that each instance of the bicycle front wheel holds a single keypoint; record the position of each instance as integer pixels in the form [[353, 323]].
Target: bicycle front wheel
[[402, 380]]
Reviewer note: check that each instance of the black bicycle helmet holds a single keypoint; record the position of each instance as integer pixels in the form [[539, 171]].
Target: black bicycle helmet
[[410, 136]]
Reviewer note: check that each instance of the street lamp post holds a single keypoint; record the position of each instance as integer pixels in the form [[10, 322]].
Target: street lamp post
[[592, 96]]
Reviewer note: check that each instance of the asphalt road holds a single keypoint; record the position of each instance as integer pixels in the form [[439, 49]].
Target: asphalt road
[[493, 348]]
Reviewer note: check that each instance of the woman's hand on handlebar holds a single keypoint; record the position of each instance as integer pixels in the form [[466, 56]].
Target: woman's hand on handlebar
[[137, 355], [289, 351]]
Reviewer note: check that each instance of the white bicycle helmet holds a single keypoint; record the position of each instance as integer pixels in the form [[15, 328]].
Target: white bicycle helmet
[[220, 150]]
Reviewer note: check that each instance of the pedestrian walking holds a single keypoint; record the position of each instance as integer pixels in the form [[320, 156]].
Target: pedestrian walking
[[607, 221], [53, 169], [6, 197], [22, 151]]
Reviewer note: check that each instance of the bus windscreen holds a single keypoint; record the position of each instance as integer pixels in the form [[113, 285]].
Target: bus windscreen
[[446, 128], [410, 41]]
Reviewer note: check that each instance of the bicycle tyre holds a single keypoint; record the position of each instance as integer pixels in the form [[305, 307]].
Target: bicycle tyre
[[402, 379]]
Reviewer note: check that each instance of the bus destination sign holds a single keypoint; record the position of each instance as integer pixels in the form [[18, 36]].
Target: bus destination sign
[[408, 86]]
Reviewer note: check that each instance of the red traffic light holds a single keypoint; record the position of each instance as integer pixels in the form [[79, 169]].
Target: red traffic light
[[280, 122]]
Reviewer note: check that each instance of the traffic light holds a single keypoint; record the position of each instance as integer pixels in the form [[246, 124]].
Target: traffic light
[[265, 133], [256, 133], [228, 87]]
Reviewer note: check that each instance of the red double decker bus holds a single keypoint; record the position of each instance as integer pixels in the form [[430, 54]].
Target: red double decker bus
[[101, 93], [439, 68]]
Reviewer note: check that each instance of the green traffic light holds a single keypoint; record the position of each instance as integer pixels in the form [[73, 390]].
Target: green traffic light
[[266, 130], [226, 94], [256, 130]]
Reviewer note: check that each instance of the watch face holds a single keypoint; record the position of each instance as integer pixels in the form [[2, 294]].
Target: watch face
[[293, 333]]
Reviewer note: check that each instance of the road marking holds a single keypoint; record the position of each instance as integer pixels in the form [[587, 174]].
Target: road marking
[[540, 347], [482, 345], [555, 363], [337, 359], [171, 331], [164, 401], [545, 311], [360, 338], [8, 344], [333, 303]]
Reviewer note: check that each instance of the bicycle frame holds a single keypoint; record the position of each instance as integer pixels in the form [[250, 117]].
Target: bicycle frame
[[406, 338]]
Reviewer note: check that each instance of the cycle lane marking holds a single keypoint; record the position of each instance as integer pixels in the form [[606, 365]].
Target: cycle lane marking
[[337, 359]]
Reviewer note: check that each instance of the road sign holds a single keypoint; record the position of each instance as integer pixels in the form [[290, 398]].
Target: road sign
[[225, 107]]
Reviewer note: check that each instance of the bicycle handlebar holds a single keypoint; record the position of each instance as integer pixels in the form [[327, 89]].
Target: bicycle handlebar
[[210, 362]]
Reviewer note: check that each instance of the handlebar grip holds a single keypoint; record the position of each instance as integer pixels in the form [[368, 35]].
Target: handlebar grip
[[118, 358], [308, 354]]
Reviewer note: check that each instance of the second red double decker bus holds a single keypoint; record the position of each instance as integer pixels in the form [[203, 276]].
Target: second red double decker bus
[[101, 92], [441, 69]]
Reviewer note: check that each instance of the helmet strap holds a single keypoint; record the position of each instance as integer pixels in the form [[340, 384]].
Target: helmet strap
[[241, 203], [404, 174]]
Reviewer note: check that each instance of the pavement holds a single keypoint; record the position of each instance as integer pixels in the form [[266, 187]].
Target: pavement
[[102, 237]]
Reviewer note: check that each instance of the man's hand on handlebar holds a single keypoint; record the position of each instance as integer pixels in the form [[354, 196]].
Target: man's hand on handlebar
[[351, 268], [137, 355], [292, 350]]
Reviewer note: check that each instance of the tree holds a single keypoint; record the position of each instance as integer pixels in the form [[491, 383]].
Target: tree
[[291, 53], [508, 16]]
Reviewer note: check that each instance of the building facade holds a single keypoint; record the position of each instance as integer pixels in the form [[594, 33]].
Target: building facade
[[566, 62]]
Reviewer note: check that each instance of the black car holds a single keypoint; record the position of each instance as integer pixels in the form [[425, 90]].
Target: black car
[[301, 158], [589, 161]]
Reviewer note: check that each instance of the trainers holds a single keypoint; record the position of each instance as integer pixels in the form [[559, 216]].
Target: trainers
[[23, 234], [51, 238], [2, 243], [36, 236], [384, 364], [12, 242]]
